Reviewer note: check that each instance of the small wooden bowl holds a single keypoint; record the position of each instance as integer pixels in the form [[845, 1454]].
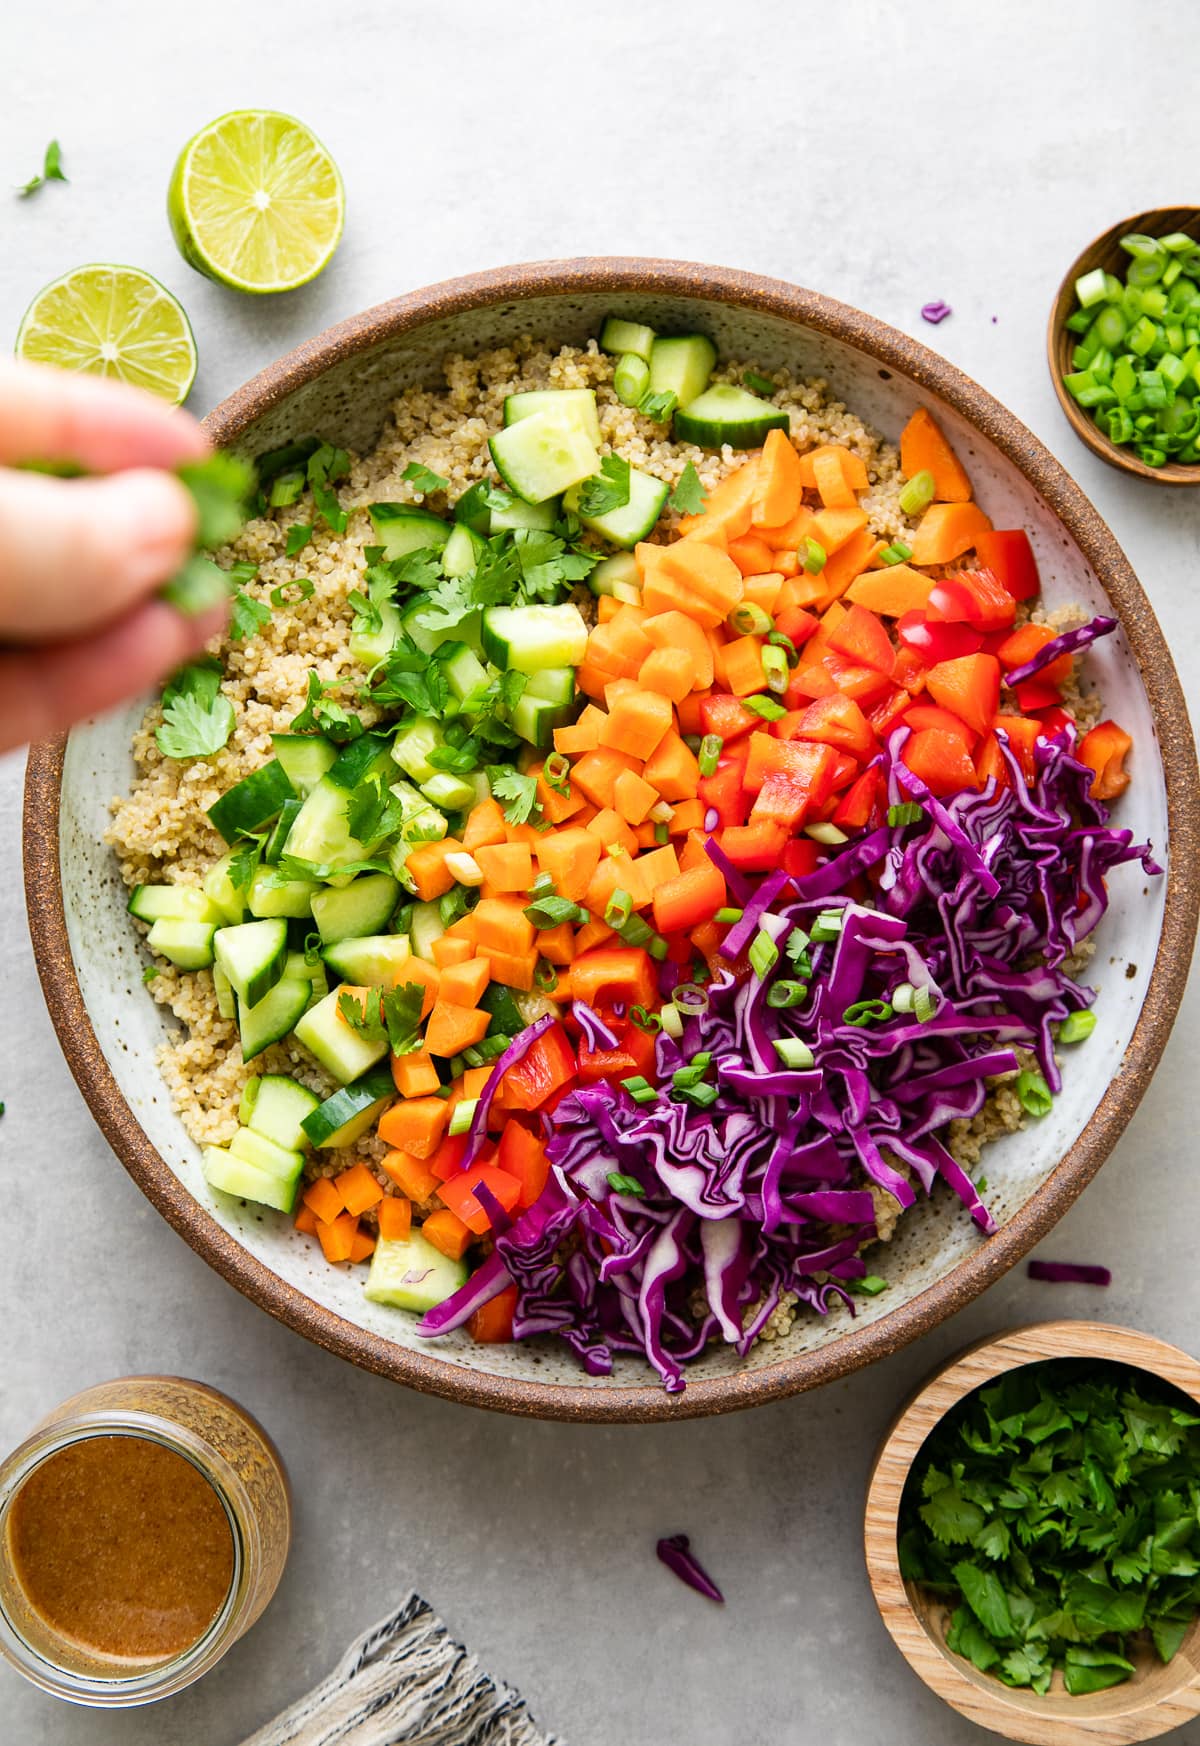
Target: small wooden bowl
[[1157, 1697], [1107, 252]]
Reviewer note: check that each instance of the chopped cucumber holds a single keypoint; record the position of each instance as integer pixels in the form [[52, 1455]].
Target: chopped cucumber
[[265, 1154], [553, 684], [271, 894], [368, 648], [321, 831], [576, 404], [275, 1106], [620, 572], [219, 887], [273, 847], [425, 927], [155, 903], [409, 1273], [403, 528], [618, 335], [529, 638], [356, 763], [446, 789], [429, 637], [682, 366], [376, 961], [465, 672], [541, 455], [413, 744], [338, 1046], [276, 1015], [506, 1014], [539, 516], [726, 414], [422, 822], [472, 510], [346, 1115], [188, 944], [462, 551], [252, 955], [305, 759], [363, 907], [252, 802], [535, 719], [635, 520], [226, 998], [233, 1176]]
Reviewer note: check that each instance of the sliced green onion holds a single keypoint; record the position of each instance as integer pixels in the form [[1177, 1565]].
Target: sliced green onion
[[636, 931], [775, 668], [462, 1115], [1076, 1026], [917, 493], [925, 1005], [761, 704], [758, 384], [702, 1058], [897, 553], [702, 1095], [490, 1047], [823, 832], [639, 1089], [618, 909], [828, 926], [785, 993], [869, 1286], [549, 912], [661, 834], [764, 954], [625, 1184], [671, 1020], [556, 772], [710, 752], [750, 620], [631, 378], [906, 812], [1110, 326], [545, 976], [1033, 1093], [690, 998], [813, 557], [657, 947], [1091, 288], [645, 1021], [729, 915], [1150, 454], [793, 1053], [683, 1077], [444, 1090], [867, 1012], [903, 996]]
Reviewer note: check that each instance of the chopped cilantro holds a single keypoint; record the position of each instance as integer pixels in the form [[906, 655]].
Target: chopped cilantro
[[406, 675], [689, 496], [606, 490], [249, 616], [52, 171], [659, 407], [220, 485], [372, 811], [548, 568], [519, 793], [326, 467], [322, 716], [298, 536], [288, 593], [197, 716], [243, 862], [493, 582], [148, 975], [390, 1015], [424, 479]]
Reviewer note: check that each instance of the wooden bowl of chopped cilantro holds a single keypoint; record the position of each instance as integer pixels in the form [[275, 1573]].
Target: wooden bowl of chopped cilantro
[[1032, 1534]]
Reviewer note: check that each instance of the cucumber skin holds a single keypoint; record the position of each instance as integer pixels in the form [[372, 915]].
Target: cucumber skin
[[347, 1104], [744, 425]]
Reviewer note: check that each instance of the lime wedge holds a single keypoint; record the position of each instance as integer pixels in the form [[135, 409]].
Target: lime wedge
[[112, 321], [256, 202]]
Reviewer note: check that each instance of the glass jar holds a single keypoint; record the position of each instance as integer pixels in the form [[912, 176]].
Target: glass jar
[[237, 1458]]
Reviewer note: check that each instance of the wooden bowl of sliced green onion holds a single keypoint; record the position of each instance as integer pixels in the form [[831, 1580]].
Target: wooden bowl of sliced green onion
[[1124, 345]]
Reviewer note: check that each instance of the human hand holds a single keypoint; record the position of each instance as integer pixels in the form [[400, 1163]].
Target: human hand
[[81, 559]]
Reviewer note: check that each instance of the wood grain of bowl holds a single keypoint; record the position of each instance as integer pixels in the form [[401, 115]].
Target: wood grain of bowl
[[1157, 1697], [1106, 252], [341, 384]]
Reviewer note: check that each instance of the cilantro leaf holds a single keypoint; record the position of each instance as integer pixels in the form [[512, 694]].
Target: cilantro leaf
[[249, 616], [966, 1636], [392, 1015], [689, 496], [519, 793], [298, 536], [323, 716], [52, 171], [220, 486], [547, 567], [493, 582], [986, 1598], [606, 490], [407, 676], [326, 467], [197, 716], [424, 479], [244, 862], [373, 811]]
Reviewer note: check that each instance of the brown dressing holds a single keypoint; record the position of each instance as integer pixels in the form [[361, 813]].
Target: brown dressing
[[121, 1547]]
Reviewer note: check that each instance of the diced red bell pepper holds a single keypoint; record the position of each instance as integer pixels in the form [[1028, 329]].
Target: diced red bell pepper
[[722, 791], [853, 811], [1054, 721], [936, 642], [692, 897], [928, 715], [796, 624], [449, 1156], [598, 1064], [1007, 553], [989, 762], [522, 1153], [969, 688], [724, 716], [1022, 737], [547, 1066], [790, 790], [910, 670], [973, 597], [640, 1045], [884, 715], [806, 683], [784, 726], [1103, 750], [864, 684], [801, 857], [458, 1194], [941, 760], [492, 1323], [838, 721], [679, 949], [754, 848], [862, 637], [845, 769], [1036, 695]]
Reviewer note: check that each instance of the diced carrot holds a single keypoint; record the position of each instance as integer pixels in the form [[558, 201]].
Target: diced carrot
[[751, 554], [728, 505], [513, 969], [584, 735], [816, 648], [451, 949], [611, 830], [606, 607], [676, 630], [793, 532], [763, 589], [395, 1218], [501, 922], [833, 527], [596, 772], [621, 973], [306, 1221], [570, 857], [696, 579], [463, 984], [556, 807], [416, 972], [337, 1238], [847, 563], [810, 590], [633, 796], [426, 865], [463, 928], [644, 835], [589, 936], [673, 769], [415, 1125], [687, 815], [557, 945], [616, 872], [894, 590], [485, 824], [447, 1233], [362, 1246], [689, 899], [459, 1194], [924, 449], [474, 1083], [692, 852], [744, 675], [854, 469], [787, 564], [636, 723], [358, 1189], [668, 671], [506, 866], [591, 679], [607, 649], [323, 1200], [412, 1176], [656, 866], [415, 1075], [453, 1028], [780, 483], [1025, 642], [946, 531], [831, 484]]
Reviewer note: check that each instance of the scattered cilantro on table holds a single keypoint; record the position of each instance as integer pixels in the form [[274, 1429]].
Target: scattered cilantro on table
[[197, 717], [1058, 1510], [52, 171]]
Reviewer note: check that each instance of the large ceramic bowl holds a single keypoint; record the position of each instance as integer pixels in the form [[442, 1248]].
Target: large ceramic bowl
[[340, 384]]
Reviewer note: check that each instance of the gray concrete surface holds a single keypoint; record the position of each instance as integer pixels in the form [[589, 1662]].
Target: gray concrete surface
[[883, 153]]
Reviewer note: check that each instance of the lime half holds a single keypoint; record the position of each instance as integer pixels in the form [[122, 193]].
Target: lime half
[[112, 321], [256, 202]]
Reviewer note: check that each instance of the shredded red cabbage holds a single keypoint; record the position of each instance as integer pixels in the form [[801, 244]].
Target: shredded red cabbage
[[1069, 1273], [1069, 643], [676, 1553], [774, 1186]]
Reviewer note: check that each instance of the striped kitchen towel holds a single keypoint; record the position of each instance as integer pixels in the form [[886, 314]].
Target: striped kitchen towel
[[406, 1682]]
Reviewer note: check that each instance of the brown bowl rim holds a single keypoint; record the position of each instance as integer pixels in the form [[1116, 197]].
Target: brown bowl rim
[[1086, 429], [988, 1703], [648, 1402]]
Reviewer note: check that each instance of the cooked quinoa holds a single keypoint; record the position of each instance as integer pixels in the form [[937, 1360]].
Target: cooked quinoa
[[160, 831]]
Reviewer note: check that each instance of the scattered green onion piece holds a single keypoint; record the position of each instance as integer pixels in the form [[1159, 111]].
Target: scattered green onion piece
[[775, 668], [758, 384], [917, 493], [793, 1053], [710, 751], [906, 812], [897, 553], [784, 993], [618, 909], [824, 832], [813, 557], [625, 1184], [764, 954], [657, 947], [1150, 454], [541, 885], [1091, 288], [661, 834], [631, 378], [491, 1047], [639, 1089], [691, 999], [750, 620], [557, 771], [545, 977], [728, 915], [1110, 326], [1033, 1093], [828, 926], [867, 1012], [702, 1058], [702, 1095], [1076, 1026], [765, 706], [684, 1077], [903, 996], [462, 1115], [645, 1021], [283, 596], [444, 1090], [671, 1020], [869, 1286], [636, 931], [925, 1005]]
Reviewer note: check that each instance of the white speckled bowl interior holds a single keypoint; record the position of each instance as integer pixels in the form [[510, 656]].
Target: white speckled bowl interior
[[875, 373]]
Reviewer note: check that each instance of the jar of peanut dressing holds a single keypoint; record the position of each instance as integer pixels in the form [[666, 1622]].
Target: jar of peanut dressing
[[144, 1526]]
